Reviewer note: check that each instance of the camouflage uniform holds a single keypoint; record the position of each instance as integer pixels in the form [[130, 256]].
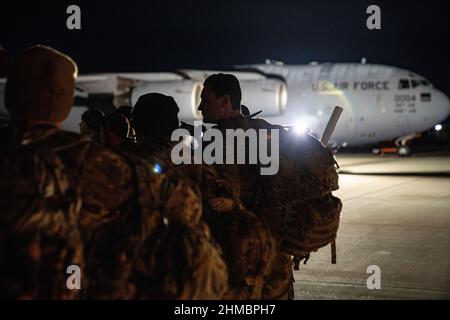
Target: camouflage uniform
[[248, 248], [203, 178], [180, 261], [156, 153], [40, 202], [245, 241], [39, 221], [183, 236], [65, 197], [297, 203], [128, 245], [278, 284], [121, 203]]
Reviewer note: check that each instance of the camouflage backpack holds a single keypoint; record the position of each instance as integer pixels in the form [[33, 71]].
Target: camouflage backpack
[[297, 201], [180, 262], [38, 224], [248, 249]]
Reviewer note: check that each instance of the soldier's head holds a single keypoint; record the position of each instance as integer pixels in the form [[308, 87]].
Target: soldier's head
[[221, 97], [40, 86], [117, 128], [155, 115], [91, 124]]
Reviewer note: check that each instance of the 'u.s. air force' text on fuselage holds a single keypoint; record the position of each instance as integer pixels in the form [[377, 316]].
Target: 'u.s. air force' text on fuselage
[[324, 85]]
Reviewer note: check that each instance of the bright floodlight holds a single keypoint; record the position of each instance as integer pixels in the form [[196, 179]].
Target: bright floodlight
[[438, 127], [301, 127]]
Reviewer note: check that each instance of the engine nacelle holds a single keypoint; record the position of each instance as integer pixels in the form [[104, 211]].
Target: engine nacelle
[[185, 92], [268, 95]]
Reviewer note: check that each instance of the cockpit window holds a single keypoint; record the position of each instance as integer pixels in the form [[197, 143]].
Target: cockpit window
[[403, 84], [415, 83], [426, 83]]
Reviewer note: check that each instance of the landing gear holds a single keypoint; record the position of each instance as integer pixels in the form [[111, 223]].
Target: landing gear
[[401, 147], [404, 151], [401, 143]]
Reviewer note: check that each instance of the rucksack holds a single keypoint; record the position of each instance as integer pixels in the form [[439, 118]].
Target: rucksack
[[38, 225], [248, 249], [297, 201], [180, 262]]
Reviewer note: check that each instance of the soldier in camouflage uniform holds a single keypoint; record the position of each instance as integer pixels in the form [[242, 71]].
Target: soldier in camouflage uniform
[[220, 104], [67, 200], [153, 119], [296, 203], [180, 208], [92, 123], [245, 240], [40, 206]]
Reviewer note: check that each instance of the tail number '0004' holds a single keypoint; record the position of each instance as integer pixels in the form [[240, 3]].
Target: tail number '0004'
[[404, 97]]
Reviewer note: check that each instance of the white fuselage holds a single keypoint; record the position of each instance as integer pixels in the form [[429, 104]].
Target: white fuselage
[[380, 102]]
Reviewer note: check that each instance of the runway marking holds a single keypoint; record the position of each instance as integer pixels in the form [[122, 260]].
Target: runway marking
[[396, 225], [380, 190], [434, 174], [375, 161], [351, 284]]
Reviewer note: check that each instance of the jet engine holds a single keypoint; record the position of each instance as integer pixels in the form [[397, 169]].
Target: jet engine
[[268, 95], [185, 92]]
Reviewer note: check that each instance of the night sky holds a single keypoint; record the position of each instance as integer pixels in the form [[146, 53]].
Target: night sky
[[163, 35]]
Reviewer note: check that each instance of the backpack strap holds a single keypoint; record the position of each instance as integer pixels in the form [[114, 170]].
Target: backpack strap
[[333, 252]]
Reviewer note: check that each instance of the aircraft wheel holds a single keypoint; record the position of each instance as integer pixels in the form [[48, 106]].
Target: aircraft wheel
[[376, 151], [404, 151]]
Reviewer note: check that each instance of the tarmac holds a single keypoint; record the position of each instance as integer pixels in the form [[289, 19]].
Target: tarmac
[[396, 215]]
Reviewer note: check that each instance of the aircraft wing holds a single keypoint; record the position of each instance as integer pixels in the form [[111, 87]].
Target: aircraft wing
[[107, 91]]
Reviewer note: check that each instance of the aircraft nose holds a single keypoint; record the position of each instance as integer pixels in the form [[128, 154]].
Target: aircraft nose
[[442, 104]]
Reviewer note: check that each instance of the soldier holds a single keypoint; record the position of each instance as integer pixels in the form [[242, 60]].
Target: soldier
[[58, 187], [220, 104], [91, 125], [246, 242], [116, 129], [40, 204], [154, 118]]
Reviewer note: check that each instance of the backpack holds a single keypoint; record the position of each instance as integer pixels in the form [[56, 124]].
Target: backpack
[[38, 225], [297, 201], [180, 262], [248, 249]]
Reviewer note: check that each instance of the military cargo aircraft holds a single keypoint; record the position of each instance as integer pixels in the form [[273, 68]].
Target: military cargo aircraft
[[380, 102]]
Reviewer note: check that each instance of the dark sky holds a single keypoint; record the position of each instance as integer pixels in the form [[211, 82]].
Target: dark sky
[[141, 35]]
